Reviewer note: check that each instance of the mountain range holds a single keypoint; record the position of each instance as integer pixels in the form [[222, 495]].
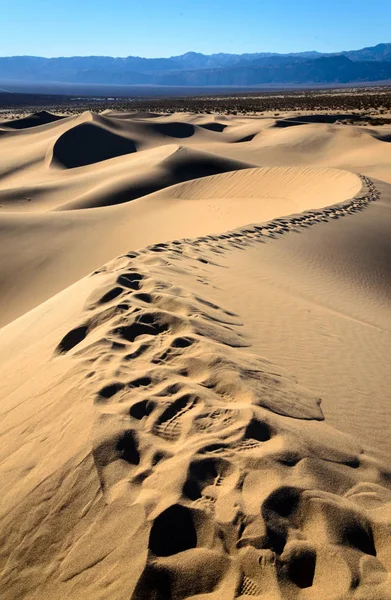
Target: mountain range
[[370, 64]]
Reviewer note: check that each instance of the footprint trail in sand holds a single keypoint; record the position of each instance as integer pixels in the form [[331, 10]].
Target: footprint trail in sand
[[206, 417], [239, 476]]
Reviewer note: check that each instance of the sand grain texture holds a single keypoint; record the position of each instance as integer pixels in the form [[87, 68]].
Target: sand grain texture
[[206, 417]]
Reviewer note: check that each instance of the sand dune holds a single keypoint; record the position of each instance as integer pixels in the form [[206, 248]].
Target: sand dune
[[179, 164], [206, 417], [293, 185], [41, 250], [35, 120], [88, 143]]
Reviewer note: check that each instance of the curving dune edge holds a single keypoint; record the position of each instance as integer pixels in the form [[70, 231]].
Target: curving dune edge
[[206, 417]]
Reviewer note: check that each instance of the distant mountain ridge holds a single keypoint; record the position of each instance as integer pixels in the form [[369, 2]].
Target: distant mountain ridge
[[196, 69]]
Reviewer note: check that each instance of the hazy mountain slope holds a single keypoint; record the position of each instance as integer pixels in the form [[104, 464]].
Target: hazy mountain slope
[[380, 52], [196, 69]]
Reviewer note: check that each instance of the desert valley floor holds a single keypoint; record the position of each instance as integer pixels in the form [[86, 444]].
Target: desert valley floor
[[194, 358]]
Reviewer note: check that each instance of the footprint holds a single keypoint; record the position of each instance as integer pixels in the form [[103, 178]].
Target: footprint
[[131, 280], [257, 431], [111, 295], [173, 531], [278, 512], [72, 339], [207, 474], [147, 324], [140, 382], [215, 419], [127, 447], [174, 350], [298, 564], [142, 409], [168, 425], [109, 391], [182, 342], [147, 298], [158, 248]]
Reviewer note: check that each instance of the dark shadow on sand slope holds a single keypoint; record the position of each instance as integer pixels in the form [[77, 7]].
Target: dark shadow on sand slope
[[87, 144], [382, 138], [181, 166], [304, 119], [174, 129], [124, 116], [34, 120], [145, 115], [218, 127], [246, 138], [184, 165]]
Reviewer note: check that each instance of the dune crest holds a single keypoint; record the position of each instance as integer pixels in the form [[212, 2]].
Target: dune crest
[[35, 120], [220, 457], [146, 196], [205, 417]]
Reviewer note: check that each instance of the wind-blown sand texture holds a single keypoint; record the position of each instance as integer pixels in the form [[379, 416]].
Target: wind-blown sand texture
[[206, 417]]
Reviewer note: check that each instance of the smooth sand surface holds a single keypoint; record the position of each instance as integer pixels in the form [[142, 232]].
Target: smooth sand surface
[[207, 417]]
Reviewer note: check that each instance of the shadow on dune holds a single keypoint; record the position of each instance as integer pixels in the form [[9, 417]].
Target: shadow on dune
[[382, 138], [302, 120], [219, 127], [175, 129], [247, 138], [34, 120], [186, 164], [145, 115], [182, 165], [87, 144]]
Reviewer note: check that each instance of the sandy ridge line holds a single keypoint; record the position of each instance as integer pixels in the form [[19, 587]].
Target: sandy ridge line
[[281, 225], [241, 236], [228, 456], [223, 459]]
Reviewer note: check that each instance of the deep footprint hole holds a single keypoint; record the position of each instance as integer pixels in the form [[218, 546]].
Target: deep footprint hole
[[110, 295], [173, 531], [147, 298], [182, 342], [142, 409], [284, 501], [140, 382], [110, 390], [146, 325], [356, 536], [276, 509], [301, 568], [128, 449], [258, 430], [72, 339], [130, 280], [201, 473]]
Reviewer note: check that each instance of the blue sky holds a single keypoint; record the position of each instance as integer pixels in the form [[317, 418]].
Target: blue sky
[[171, 27]]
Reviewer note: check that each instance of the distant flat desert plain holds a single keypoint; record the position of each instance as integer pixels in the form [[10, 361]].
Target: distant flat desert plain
[[195, 355]]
